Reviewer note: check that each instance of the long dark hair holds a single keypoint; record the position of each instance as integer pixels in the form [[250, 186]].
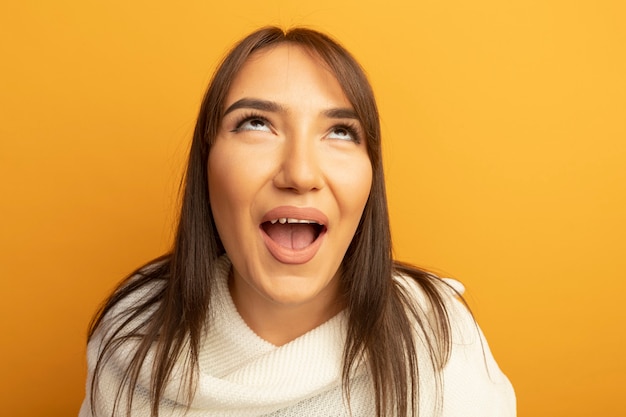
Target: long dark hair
[[382, 317]]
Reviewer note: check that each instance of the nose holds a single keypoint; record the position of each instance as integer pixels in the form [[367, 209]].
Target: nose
[[300, 170]]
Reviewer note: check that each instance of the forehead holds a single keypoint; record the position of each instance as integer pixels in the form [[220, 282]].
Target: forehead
[[286, 71]]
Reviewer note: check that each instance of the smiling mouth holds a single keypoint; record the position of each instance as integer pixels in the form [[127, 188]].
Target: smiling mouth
[[292, 233]]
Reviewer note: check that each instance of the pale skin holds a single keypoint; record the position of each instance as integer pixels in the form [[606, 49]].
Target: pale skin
[[289, 146]]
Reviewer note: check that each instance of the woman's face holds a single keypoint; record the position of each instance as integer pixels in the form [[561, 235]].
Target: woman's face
[[289, 176]]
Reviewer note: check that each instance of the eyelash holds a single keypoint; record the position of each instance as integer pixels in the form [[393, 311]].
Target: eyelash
[[248, 117], [351, 128]]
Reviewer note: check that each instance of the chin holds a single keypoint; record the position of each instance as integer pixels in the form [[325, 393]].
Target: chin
[[295, 290]]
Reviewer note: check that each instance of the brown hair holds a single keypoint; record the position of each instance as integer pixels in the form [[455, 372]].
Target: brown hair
[[382, 317]]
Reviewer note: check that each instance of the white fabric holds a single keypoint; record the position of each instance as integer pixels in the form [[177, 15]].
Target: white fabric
[[243, 375]]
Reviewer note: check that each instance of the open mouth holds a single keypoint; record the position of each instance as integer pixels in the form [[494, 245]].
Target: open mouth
[[293, 233]]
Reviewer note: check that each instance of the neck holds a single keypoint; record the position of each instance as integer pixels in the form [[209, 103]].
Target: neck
[[280, 323]]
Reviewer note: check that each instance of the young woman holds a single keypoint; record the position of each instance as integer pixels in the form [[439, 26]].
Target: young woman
[[280, 296]]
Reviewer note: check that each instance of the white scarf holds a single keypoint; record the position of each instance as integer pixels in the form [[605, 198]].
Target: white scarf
[[242, 375]]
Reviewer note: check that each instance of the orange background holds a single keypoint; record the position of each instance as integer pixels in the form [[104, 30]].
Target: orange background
[[505, 135]]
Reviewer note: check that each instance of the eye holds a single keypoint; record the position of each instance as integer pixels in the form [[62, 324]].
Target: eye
[[253, 123], [344, 132]]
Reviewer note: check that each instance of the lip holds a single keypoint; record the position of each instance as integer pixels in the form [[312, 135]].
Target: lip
[[302, 213], [288, 255]]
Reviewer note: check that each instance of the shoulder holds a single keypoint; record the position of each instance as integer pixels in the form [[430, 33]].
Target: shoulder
[[473, 383], [134, 300], [433, 296], [440, 299], [115, 336], [125, 313]]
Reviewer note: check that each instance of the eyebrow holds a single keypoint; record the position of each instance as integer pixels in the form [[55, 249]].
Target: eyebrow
[[271, 106], [341, 113], [253, 103]]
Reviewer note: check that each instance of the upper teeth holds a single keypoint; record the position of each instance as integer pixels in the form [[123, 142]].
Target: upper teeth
[[283, 220]]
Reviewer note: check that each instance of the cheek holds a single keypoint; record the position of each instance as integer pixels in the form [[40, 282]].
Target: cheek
[[226, 176], [356, 183], [225, 200], [235, 176]]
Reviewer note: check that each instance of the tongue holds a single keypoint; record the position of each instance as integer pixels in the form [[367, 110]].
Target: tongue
[[291, 235]]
